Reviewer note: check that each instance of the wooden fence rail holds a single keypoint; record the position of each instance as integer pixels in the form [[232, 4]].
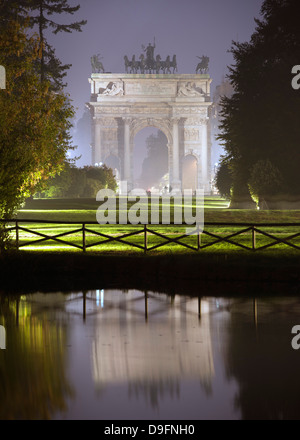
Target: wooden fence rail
[[85, 231]]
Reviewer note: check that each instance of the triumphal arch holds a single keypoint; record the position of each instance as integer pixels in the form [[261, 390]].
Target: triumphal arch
[[177, 104]]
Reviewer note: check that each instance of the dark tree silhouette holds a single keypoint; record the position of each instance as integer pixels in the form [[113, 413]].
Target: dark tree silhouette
[[259, 121], [41, 11]]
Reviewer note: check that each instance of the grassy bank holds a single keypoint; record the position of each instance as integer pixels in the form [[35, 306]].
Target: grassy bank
[[215, 210], [219, 271], [84, 210]]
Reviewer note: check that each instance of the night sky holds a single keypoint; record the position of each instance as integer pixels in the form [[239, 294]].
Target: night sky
[[115, 28]]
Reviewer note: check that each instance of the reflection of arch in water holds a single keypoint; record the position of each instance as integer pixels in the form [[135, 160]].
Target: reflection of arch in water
[[158, 366], [189, 172]]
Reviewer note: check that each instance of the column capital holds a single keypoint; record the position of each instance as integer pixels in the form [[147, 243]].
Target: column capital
[[204, 121], [175, 120], [126, 119]]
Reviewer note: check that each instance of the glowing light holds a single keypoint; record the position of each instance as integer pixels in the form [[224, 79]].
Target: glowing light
[[100, 298], [204, 307]]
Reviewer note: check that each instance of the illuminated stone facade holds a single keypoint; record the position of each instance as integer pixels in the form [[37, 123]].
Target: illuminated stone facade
[[123, 104]]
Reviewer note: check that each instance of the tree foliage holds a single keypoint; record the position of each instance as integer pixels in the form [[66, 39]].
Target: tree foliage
[[265, 180], [223, 180], [260, 120], [34, 121], [80, 182], [41, 17]]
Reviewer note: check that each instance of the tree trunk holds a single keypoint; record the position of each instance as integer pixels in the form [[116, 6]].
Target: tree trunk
[[240, 194]]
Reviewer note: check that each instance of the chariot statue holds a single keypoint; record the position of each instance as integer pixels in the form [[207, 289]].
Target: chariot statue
[[149, 63]]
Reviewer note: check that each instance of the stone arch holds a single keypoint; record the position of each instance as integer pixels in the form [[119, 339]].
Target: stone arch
[[146, 169], [139, 124], [160, 124], [112, 161]]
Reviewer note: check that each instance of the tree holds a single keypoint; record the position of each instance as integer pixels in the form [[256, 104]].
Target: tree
[[265, 181], [34, 122], [50, 67], [224, 180], [259, 121], [80, 182]]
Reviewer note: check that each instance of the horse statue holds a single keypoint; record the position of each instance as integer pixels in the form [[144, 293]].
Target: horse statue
[[97, 66], [203, 65], [158, 63], [174, 64], [127, 64], [134, 65], [142, 64], [162, 66], [167, 65]]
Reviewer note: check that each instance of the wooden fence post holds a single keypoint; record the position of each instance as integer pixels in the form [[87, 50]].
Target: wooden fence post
[[84, 305], [253, 238], [145, 239], [146, 306], [83, 238], [199, 240], [17, 235]]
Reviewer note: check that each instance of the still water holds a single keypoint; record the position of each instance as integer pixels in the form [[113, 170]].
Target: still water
[[117, 355]]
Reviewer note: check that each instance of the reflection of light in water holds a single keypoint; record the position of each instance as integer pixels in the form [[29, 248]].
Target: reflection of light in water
[[173, 344], [100, 298], [204, 307]]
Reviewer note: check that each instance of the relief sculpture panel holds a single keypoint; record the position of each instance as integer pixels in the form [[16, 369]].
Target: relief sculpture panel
[[191, 134]]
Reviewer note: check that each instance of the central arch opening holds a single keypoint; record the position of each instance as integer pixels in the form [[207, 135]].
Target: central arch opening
[[150, 160], [189, 172]]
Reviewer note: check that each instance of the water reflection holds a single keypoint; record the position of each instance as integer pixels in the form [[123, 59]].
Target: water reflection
[[152, 358], [33, 365], [142, 355]]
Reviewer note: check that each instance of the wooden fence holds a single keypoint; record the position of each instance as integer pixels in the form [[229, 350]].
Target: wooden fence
[[249, 232]]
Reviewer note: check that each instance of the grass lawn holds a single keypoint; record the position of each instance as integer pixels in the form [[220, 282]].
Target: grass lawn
[[215, 210]]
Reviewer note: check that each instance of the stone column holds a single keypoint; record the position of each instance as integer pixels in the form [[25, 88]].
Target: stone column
[[97, 142], [127, 152], [204, 148], [176, 184]]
